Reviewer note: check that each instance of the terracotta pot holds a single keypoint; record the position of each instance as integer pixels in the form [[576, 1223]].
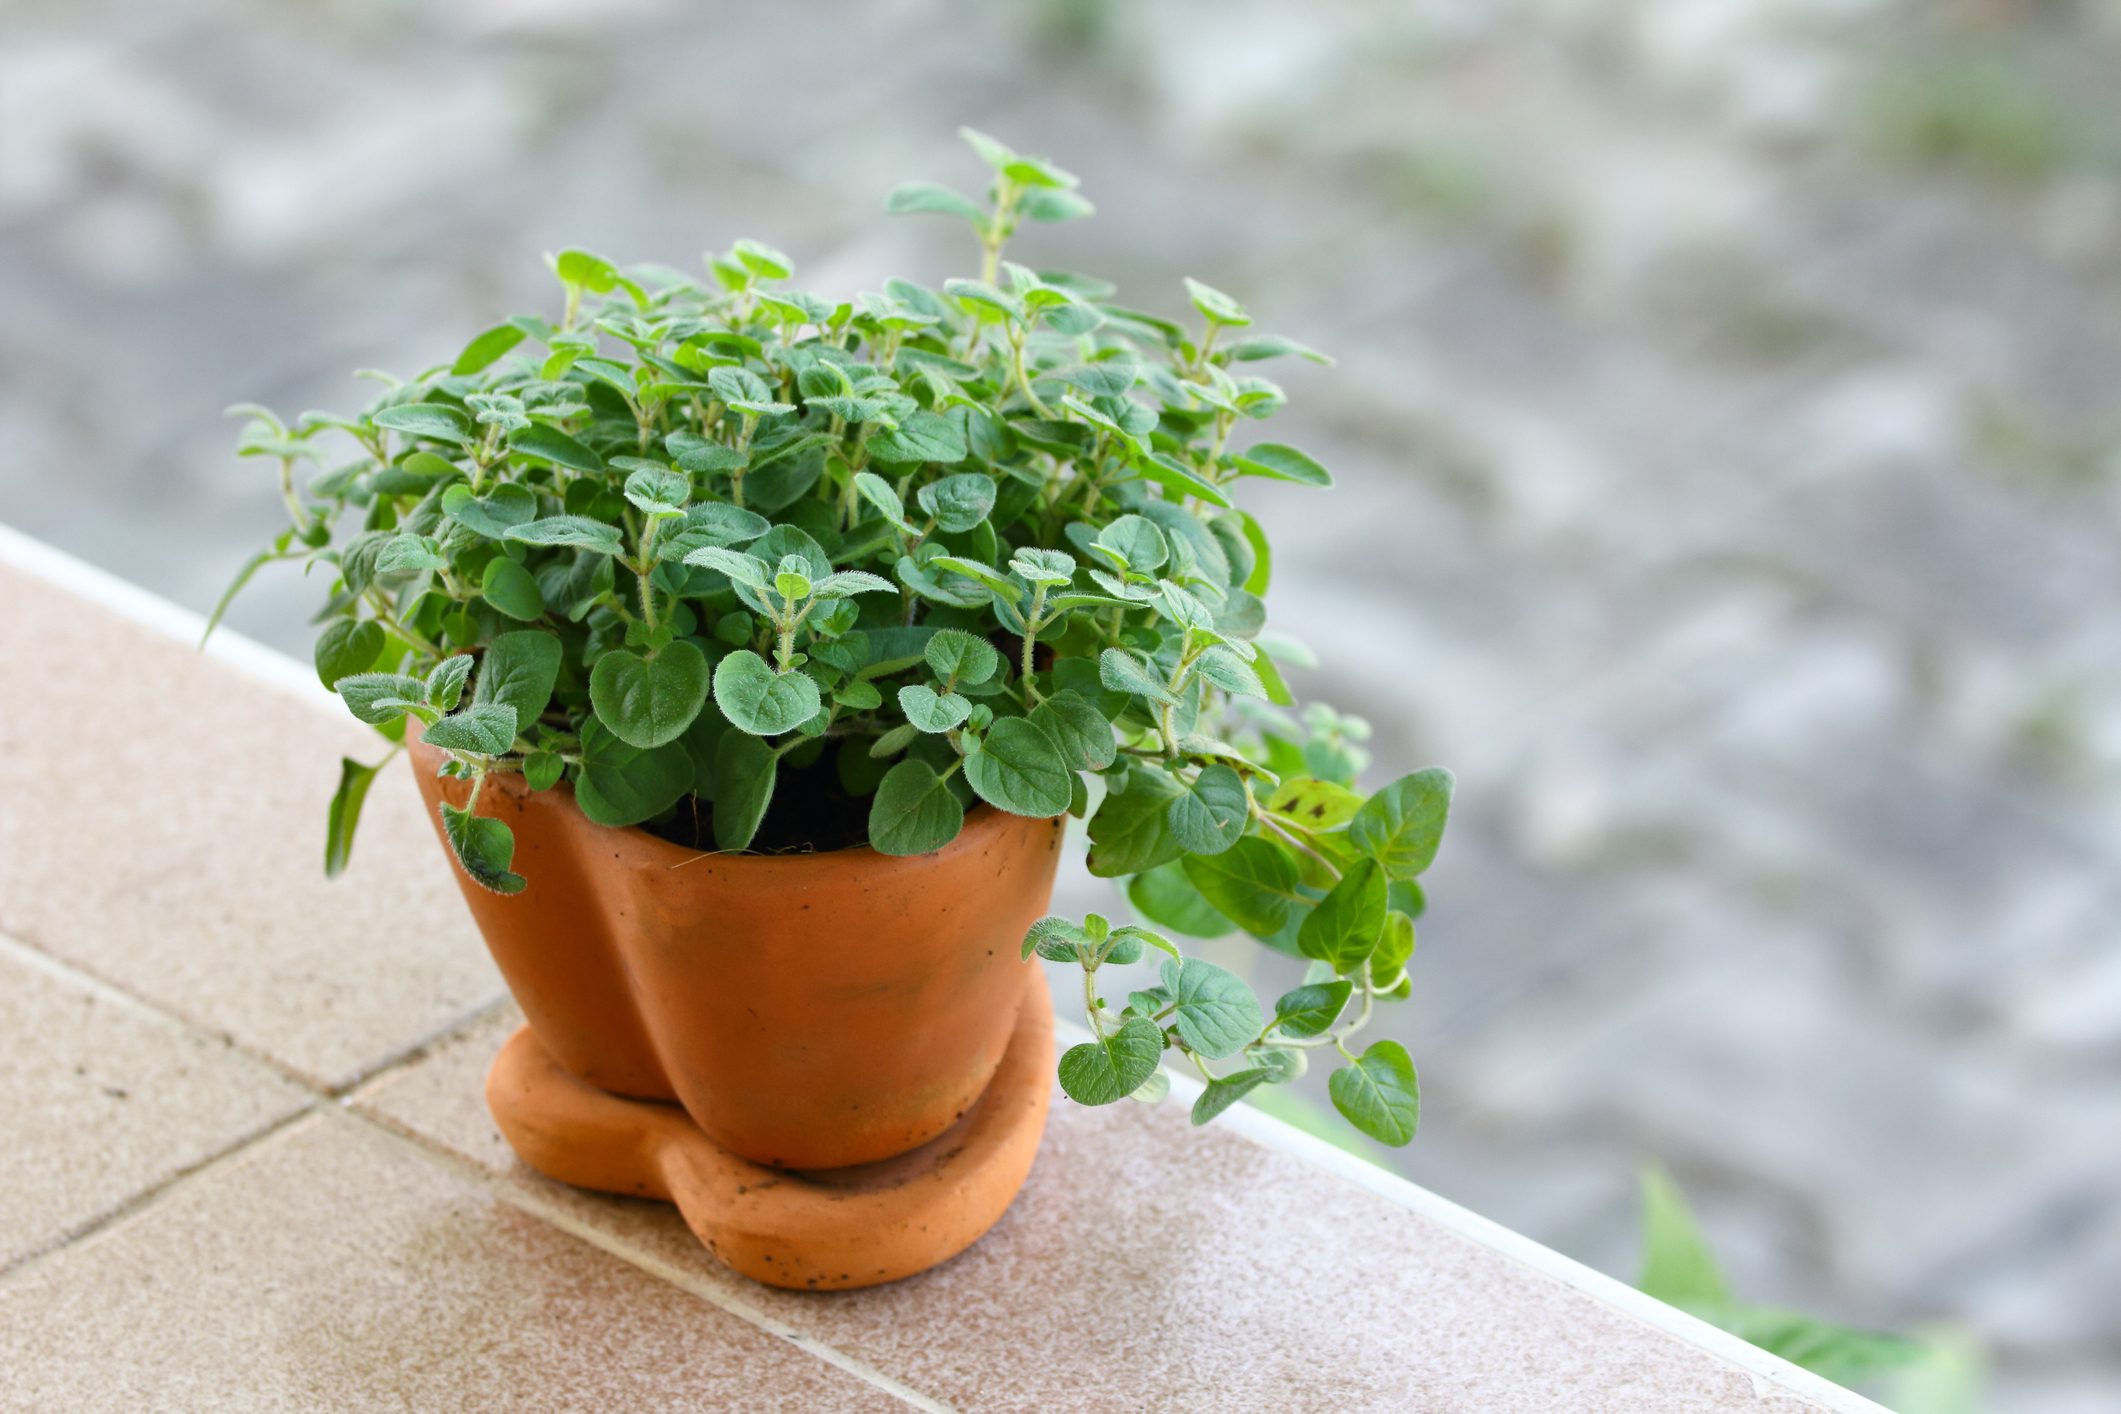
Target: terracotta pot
[[808, 1011], [826, 1230]]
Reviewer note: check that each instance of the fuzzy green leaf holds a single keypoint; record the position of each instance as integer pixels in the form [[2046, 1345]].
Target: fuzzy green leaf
[[1114, 1066], [1282, 463], [345, 648], [1253, 884], [1401, 826], [960, 658], [1131, 831], [923, 437], [1165, 896], [1379, 1093], [647, 702], [572, 532], [931, 711], [760, 701], [1079, 729], [1310, 1009], [1019, 768], [381, 698], [519, 670], [484, 349], [1210, 814], [910, 197], [623, 785], [484, 730], [485, 847], [512, 589], [658, 491], [1125, 671], [744, 771], [747, 570], [494, 514], [345, 814], [438, 421], [445, 682], [550, 444], [1216, 1013], [1219, 1094], [914, 811], [958, 502], [1342, 931]]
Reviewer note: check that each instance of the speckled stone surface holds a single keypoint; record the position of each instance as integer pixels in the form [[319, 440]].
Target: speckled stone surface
[[162, 827], [1148, 1265], [158, 831], [329, 1268], [101, 1099]]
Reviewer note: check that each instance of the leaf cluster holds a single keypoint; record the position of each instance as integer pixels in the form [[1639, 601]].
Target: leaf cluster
[[978, 542]]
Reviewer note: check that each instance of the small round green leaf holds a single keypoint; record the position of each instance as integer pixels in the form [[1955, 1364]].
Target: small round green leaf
[[931, 711], [439, 421], [483, 730], [512, 589], [960, 658], [1211, 813], [647, 702], [347, 647], [1379, 1093], [744, 772], [1216, 1013], [1109, 1069], [1343, 930], [1218, 1095], [1310, 1009], [760, 701], [1283, 464], [1401, 826], [914, 811], [1019, 768], [484, 847]]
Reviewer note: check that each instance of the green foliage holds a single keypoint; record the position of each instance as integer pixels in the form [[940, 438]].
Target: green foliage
[[978, 540], [1378, 1093], [913, 811]]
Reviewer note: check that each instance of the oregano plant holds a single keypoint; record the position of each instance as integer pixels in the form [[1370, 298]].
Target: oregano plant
[[762, 569]]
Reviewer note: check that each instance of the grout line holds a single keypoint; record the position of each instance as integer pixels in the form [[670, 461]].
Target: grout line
[[20, 948], [726, 1298], [284, 674], [413, 1052], [343, 1100], [155, 1194]]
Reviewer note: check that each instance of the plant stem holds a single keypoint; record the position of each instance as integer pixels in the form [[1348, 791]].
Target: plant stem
[[1023, 378], [1031, 627]]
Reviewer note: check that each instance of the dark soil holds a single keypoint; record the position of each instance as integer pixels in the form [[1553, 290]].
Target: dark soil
[[811, 813]]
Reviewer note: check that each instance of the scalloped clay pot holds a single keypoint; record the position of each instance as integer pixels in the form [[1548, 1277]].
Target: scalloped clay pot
[[836, 1065]]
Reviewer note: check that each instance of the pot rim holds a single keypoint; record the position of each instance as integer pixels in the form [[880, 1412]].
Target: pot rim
[[982, 822]]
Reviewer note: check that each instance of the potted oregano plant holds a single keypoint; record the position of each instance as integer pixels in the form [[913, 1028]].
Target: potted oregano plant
[[753, 644]]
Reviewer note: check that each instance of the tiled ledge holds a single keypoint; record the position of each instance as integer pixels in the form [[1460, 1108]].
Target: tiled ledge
[[249, 1164]]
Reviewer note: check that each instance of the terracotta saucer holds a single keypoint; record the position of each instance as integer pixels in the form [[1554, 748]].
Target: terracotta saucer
[[817, 1230]]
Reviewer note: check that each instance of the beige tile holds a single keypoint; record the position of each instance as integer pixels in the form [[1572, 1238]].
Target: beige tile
[[102, 1100], [331, 1267], [162, 826], [1150, 1266]]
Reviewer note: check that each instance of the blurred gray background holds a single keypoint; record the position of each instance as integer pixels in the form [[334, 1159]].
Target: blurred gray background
[[1729, 445]]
